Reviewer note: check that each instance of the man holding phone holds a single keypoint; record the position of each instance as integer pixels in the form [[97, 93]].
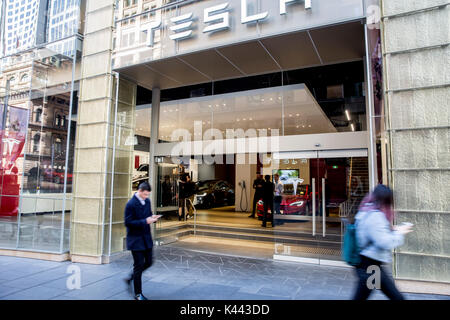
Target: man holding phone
[[138, 217]]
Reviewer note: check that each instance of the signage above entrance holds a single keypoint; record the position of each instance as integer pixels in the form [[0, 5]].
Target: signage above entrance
[[216, 18], [196, 26]]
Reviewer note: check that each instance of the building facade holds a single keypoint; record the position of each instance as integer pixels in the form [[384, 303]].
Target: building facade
[[24, 25], [329, 95]]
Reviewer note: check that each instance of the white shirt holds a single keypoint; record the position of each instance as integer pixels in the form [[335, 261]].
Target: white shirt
[[278, 188], [140, 199]]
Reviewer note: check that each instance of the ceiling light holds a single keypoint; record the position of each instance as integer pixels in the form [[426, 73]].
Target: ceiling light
[[353, 127], [298, 115], [348, 115]]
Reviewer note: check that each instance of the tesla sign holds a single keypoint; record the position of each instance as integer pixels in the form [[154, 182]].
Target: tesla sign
[[216, 18]]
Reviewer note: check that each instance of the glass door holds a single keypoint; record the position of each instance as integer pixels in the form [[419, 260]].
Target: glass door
[[321, 190]]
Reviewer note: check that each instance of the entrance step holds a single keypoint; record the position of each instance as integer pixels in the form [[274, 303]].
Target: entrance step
[[267, 235]]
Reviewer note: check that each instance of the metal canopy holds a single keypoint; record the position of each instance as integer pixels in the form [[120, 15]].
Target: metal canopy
[[315, 47]]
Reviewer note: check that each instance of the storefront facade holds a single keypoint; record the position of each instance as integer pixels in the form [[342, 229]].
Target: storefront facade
[[227, 89]]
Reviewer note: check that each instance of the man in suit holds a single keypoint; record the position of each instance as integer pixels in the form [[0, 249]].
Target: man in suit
[[138, 217], [268, 193], [258, 186]]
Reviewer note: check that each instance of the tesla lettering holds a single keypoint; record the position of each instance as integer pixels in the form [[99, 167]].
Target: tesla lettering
[[216, 18], [182, 27], [283, 4], [247, 19], [223, 17]]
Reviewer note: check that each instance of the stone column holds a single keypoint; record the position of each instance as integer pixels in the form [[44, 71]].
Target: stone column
[[103, 138], [154, 137], [417, 72]]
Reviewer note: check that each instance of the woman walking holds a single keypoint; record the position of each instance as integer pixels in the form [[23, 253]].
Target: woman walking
[[377, 237]]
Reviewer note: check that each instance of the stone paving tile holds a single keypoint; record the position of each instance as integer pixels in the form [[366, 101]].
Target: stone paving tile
[[100, 290], [183, 274], [280, 291], [35, 293], [7, 290], [205, 291], [123, 295], [162, 291], [248, 296]]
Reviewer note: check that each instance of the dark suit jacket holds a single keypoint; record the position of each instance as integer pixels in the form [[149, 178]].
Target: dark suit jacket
[[268, 189], [139, 236]]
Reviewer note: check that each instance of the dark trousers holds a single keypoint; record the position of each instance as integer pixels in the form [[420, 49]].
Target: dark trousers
[[142, 261], [387, 284], [256, 198], [277, 204], [268, 204]]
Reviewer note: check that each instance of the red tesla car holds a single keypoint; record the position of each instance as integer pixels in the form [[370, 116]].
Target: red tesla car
[[291, 204]]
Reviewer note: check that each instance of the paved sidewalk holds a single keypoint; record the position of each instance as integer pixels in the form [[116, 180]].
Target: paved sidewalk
[[179, 274]]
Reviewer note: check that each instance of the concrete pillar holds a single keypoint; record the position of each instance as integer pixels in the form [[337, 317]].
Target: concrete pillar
[[103, 147], [154, 138]]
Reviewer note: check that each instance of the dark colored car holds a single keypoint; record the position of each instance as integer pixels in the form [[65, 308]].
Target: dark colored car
[[292, 204], [214, 193], [137, 181]]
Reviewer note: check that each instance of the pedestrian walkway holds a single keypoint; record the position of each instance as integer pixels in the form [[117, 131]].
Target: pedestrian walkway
[[179, 274]]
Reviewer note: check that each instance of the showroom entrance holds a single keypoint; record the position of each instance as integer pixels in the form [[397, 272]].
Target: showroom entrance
[[223, 141], [287, 96]]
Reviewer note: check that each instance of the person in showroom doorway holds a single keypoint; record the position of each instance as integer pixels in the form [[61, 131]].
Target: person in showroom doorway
[[182, 186], [277, 194], [138, 218], [258, 186], [268, 194]]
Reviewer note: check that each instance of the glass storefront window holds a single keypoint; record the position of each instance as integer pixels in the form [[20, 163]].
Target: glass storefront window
[[38, 135]]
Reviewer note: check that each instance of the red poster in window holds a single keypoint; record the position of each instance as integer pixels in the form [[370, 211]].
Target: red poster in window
[[136, 162], [12, 144]]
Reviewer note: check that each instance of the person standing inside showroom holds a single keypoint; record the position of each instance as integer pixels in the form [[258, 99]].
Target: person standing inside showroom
[[258, 186], [268, 194]]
